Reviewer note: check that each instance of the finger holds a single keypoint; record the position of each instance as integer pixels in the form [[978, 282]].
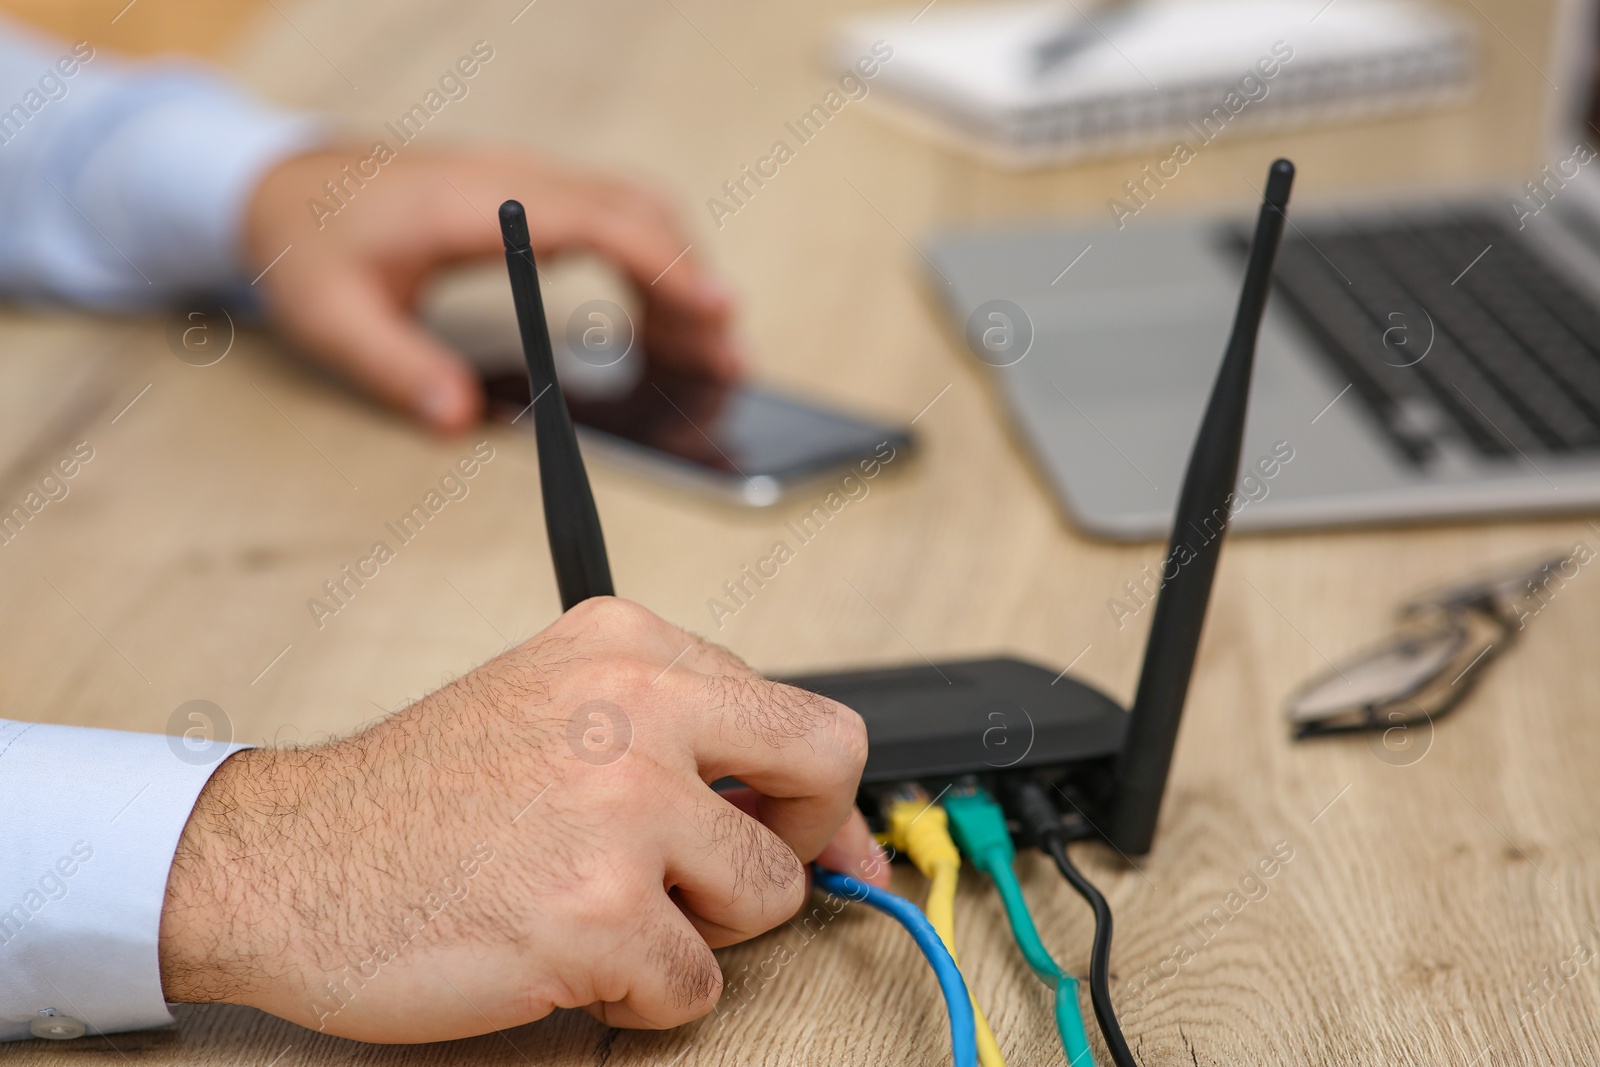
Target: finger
[[685, 309], [353, 326], [733, 876], [667, 973], [854, 851], [802, 752], [645, 240]]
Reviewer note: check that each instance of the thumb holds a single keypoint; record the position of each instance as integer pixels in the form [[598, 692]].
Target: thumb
[[853, 851], [356, 328]]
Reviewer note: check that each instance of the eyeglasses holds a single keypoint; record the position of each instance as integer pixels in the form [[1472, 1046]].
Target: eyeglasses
[[1445, 641]]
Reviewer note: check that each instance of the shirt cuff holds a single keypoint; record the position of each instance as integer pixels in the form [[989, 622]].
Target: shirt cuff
[[170, 185], [92, 819]]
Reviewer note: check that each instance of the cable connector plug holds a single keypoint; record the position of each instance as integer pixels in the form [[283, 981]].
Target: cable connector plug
[[921, 830], [1035, 811], [979, 826]]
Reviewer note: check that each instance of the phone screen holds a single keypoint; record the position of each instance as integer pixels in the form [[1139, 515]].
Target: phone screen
[[739, 430]]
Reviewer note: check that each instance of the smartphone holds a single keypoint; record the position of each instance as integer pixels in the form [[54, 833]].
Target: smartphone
[[741, 442]]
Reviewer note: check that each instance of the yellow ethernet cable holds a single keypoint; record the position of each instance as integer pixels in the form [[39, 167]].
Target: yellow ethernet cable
[[922, 831]]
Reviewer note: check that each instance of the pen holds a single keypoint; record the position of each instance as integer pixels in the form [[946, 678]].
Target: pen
[[1075, 35]]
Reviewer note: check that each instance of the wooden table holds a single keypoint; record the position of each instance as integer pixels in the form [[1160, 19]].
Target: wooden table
[[1423, 896]]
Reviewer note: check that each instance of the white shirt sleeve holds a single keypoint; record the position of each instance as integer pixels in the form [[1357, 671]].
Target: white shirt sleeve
[[91, 819], [123, 185]]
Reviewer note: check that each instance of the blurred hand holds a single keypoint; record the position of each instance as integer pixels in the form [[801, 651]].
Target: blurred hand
[[538, 834], [347, 289]]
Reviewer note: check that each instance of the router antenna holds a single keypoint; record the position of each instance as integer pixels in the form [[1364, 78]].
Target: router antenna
[[1139, 776], [577, 545]]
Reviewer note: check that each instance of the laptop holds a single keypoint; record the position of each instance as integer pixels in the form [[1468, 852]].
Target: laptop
[[1420, 360]]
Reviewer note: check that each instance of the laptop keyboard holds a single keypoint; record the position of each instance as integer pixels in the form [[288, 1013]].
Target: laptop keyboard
[[1451, 327]]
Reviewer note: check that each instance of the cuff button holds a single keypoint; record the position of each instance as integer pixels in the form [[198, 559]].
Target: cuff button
[[57, 1027]]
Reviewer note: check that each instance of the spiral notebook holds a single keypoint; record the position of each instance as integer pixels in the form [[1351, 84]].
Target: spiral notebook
[[1152, 73]]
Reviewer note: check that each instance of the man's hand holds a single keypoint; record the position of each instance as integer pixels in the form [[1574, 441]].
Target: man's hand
[[539, 834], [348, 287]]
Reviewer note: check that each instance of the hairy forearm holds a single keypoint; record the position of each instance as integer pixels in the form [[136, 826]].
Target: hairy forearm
[[217, 919], [262, 900]]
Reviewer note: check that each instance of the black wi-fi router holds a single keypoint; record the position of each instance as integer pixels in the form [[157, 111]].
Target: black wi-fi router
[[988, 717]]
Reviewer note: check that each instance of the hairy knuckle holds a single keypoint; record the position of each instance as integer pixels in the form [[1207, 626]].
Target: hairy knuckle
[[793, 713], [694, 978], [680, 964], [787, 875], [762, 863]]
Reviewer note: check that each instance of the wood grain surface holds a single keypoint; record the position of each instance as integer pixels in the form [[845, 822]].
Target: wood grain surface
[[1429, 892], [143, 27]]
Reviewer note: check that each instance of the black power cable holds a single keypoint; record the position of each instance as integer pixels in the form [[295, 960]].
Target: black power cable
[[1042, 823], [1100, 955]]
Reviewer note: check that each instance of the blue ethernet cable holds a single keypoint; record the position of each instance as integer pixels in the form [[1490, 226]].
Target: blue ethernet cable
[[963, 1026]]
